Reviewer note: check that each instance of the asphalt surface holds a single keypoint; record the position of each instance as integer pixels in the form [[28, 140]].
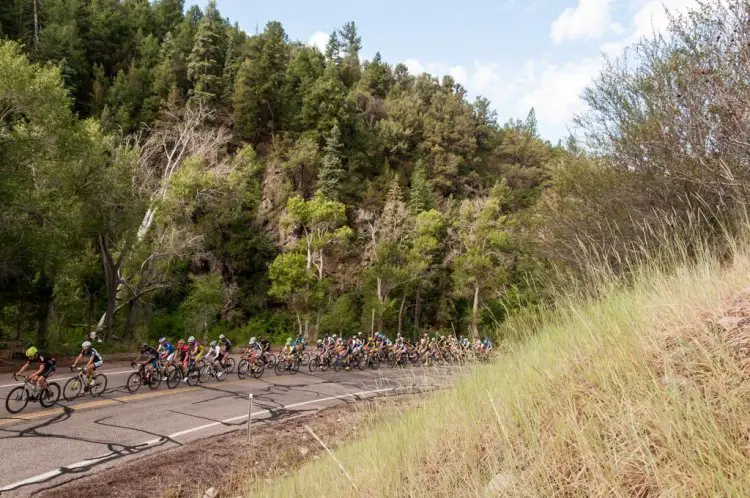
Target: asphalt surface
[[45, 447]]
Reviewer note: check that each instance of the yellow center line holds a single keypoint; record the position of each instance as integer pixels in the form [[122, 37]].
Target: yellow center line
[[106, 402]]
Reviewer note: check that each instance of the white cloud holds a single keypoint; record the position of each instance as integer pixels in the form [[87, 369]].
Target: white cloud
[[590, 19], [319, 40], [459, 74], [650, 19]]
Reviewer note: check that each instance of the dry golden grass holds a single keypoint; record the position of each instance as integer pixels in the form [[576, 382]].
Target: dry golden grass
[[639, 393]]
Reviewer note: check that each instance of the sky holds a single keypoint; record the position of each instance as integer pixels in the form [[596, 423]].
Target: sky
[[518, 53]]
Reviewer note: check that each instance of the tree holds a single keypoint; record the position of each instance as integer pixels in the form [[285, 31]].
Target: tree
[[423, 250], [352, 44], [291, 282], [332, 171], [258, 98], [202, 305], [420, 196], [321, 224], [386, 248], [206, 61], [480, 256]]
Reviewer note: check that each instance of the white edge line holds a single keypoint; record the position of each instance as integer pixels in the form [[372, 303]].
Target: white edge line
[[53, 379], [151, 442]]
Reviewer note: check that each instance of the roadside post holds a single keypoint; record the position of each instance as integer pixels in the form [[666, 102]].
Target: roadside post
[[249, 416]]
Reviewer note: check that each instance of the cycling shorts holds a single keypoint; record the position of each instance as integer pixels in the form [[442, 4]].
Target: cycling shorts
[[48, 370], [98, 364], [170, 357]]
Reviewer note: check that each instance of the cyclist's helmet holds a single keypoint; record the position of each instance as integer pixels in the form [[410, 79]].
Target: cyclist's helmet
[[213, 343], [31, 352], [222, 336], [162, 339], [252, 340], [191, 339], [86, 344], [180, 342], [144, 346]]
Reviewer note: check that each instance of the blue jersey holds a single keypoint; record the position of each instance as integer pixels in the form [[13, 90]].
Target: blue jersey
[[167, 347]]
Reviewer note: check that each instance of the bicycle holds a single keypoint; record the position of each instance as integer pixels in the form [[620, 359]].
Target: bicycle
[[250, 364], [30, 392], [80, 384], [177, 373], [136, 379], [289, 362], [210, 370]]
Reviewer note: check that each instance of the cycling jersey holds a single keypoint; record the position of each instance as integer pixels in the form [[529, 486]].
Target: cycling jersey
[[167, 348], [92, 353], [266, 345], [47, 360], [227, 344]]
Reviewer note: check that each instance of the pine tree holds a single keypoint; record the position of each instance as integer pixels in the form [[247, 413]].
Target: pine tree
[[531, 125], [420, 195], [231, 66], [206, 61], [350, 70], [332, 171], [333, 48]]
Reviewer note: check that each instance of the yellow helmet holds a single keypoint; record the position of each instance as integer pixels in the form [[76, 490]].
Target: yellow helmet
[[31, 352]]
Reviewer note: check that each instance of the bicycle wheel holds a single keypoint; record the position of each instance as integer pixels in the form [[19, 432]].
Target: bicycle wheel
[[174, 378], [17, 399], [243, 368], [305, 358], [374, 363], [72, 389], [337, 365], [294, 367], [229, 365], [271, 359], [99, 385], [314, 364], [221, 373], [205, 374], [279, 367], [392, 360], [194, 377], [134, 382], [258, 370], [156, 377], [50, 395]]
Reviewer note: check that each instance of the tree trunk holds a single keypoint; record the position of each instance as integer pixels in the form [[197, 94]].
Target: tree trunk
[[417, 309], [475, 314], [299, 322], [21, 316], [90, 312], [130, 319], [44, 307], [372, 322], [36, 25], [112, 283], [401, 314]]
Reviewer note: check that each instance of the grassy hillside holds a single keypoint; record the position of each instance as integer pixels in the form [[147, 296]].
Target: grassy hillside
[[637, 394]]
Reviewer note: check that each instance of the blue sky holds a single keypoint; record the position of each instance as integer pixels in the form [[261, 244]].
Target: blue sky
[[517, 53]]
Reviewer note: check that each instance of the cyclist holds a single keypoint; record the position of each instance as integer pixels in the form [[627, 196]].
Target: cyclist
[[265, 348], [151, 360], [182, 355], [196, 349], [254, 350], [95, 360], [166, 350], [46, 364], [214, 354], [226, 344]]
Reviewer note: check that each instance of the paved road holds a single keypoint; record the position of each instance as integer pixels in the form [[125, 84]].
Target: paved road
[[47, 447]]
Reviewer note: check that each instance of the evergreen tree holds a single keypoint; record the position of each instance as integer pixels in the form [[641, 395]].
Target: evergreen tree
[[420, 195], [333, 49], [331, 173], [206, 61], [352, 44]]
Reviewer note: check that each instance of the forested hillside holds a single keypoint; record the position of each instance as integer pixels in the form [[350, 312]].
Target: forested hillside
[[165, 173]]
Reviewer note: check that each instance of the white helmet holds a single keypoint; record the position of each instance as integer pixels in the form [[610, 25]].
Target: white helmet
[[86, 344], [222, 336], [320, 341], [213, 343], [252, 340], [191, 339]]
